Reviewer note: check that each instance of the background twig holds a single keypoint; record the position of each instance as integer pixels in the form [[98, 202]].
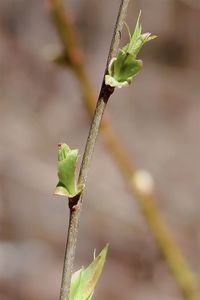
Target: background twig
[[147, 202], [105, 92]]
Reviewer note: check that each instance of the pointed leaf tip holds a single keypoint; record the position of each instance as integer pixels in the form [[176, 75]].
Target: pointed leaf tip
[[84, 280]]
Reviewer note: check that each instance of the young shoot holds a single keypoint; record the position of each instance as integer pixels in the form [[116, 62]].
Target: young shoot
[[84, 281], [123, 68], [67, 162]]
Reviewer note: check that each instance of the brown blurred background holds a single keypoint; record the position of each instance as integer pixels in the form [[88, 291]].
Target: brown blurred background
[[157, 119]]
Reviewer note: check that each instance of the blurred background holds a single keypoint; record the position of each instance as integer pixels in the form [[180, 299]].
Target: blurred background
[[157, 120]]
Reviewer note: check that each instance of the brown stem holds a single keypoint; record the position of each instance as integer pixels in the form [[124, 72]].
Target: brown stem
[[184, 277], [76, 203]]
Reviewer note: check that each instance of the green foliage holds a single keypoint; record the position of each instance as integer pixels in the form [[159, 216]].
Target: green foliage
[[67, 161], [84, 280], [123, 68]]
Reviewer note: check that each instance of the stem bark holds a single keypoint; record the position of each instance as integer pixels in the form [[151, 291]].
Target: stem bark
[[75, 203]]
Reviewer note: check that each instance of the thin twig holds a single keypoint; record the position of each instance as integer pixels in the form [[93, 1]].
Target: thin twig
[[76, 203], [184, 277]]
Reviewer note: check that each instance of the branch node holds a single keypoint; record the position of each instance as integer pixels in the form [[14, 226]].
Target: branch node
[[73, 202]]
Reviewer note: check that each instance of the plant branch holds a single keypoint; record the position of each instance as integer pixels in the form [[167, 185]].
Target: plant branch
[[105, 93], [184, 277]]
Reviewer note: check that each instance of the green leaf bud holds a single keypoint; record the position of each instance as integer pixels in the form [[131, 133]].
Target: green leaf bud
[[84, 280], [125, 66], [67, 162]]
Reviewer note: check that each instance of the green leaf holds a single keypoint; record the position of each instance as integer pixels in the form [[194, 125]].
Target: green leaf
[[84, 280], [125, 66], [131, 46], [122, 69], [67, 161]]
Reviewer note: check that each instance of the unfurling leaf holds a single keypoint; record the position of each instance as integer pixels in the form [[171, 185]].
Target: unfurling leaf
[[84, 280], [125, 66], [67, 161]]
